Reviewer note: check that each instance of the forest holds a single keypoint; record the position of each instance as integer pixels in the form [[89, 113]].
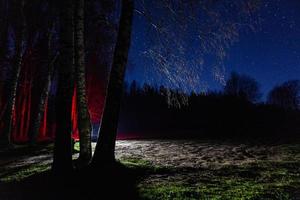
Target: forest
[[108, 99], [235, 112]]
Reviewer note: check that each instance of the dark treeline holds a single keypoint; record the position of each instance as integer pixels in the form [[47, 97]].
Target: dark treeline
[[156, 112]]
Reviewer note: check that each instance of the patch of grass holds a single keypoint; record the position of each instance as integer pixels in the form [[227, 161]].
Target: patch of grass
[[224, 189], [25, 172], [145, 165], [77, 146], [136, 163], [261, 180], [25, 150], [290, 152], [174, 191]]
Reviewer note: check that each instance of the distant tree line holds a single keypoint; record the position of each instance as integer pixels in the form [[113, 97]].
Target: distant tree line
[[236, 111]]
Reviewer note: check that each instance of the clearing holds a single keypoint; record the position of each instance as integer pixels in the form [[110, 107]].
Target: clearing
[[189, 169]]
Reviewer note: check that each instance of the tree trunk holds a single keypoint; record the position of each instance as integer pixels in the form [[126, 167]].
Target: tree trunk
[[105, 149], [84, 124], [62, 159], [49, 65], [42, 102], [13, 80]]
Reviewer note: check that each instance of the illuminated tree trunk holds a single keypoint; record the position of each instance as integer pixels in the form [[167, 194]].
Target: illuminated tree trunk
[[13, 80], [84, 124], [49, 63], [62, 159], [105, 149]]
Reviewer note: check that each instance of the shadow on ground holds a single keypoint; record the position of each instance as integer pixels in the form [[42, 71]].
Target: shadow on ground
[[118, 182]]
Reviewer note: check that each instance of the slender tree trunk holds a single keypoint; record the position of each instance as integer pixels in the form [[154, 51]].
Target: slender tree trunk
[[49, 63], [42, 101], [62, 159], [105, 149], [84, 124], [13, 80]]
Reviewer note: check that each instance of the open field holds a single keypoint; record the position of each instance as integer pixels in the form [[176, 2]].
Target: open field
[[185, 169], [211, 170]]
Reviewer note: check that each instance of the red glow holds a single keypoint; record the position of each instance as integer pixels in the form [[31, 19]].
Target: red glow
[[96, 84], [43, 128], [22, 110], [74, 115], [28, 95]]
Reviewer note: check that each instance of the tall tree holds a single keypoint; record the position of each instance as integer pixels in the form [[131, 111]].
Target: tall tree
[[62, 159], [105, 148], [19, 24], [48, 62], [84, 124]]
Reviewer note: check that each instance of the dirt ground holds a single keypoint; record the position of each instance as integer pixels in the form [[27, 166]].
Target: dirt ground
[[199, 154]]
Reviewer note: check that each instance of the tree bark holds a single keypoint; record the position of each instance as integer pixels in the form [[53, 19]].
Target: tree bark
[[42, 101], [13, 80], [49, 65], [84, 124], [105, 149], [62, 159]]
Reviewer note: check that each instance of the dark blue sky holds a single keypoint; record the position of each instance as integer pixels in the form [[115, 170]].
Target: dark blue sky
[[271, 54]]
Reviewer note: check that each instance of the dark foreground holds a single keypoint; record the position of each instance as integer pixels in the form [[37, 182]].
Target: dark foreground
[[162, 169]]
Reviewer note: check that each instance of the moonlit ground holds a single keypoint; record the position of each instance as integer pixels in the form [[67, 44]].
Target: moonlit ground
[[172, 153], [191, 169], [197, 154]]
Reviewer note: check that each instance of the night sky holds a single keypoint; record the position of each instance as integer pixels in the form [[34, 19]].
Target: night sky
[[270, 54]]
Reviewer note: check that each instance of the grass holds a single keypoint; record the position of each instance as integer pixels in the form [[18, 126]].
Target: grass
[[263, 179], [25, 172], [259, 181], [144, 165], [136, 163], [77, 146], [12, 172]]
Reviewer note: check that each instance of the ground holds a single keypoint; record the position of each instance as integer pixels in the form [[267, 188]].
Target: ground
[[186, 169]]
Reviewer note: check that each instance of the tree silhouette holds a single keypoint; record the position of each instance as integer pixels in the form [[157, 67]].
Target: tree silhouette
[[84, 123], [286, 95], [62, 159], [242, 86], [105, 148]]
